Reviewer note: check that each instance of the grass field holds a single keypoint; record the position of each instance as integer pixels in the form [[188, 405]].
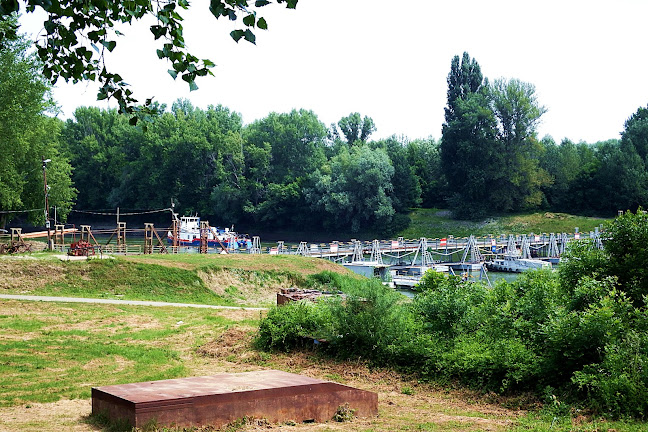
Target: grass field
[[436, 223], [229, 280], [52, 354]]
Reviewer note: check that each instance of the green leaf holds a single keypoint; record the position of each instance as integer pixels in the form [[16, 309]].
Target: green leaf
[[262, 24], [109, 44], [133, 121], [208, 63], [50, 26], [261, 3], [192, 85], [237, 34], [8, 6], [173, 73], [249, 36], [158, 31], [249, 20]]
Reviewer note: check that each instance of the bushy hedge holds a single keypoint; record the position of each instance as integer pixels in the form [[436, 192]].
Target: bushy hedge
[[580, 334]]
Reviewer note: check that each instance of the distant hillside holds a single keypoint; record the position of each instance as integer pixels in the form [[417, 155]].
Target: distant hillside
[[437, 223]]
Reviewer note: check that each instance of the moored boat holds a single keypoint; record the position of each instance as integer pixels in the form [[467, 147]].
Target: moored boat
[[516, 264], [226, 238]]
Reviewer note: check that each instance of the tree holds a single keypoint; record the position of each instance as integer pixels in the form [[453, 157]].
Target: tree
[[406, 190], [465, 77], [489, 150], [635, 133], [566, 164], [515, 105], [183, 155], [80, 32], [471, 156], [297, 140], [354, 190], [468, 137], [28, 137], [356, 129], [424, 157], [100, 143]]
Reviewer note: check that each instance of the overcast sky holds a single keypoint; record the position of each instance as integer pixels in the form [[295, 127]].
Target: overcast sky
[[389, 60]]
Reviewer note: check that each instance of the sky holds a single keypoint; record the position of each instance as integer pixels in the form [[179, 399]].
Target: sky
[[390, 60]]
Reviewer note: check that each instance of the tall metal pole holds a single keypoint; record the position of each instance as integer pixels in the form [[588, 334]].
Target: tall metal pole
[[47, 221]]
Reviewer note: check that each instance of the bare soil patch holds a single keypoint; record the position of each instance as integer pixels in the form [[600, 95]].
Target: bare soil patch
[[244, 287], [24, 276]]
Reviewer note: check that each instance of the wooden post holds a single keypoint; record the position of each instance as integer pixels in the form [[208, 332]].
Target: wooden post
[[148, 238], [204, 230], [121, 236]]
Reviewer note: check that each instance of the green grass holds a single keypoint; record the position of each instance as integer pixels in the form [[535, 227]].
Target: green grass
[[436, 223], [245, 280], [74, 347], [538, 422], [119, 279]]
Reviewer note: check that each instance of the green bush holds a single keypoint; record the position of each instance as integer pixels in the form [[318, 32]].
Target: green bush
[[446, 307], [581, 333], [374, 322], [618, 386], [576, 338], [286, 327]]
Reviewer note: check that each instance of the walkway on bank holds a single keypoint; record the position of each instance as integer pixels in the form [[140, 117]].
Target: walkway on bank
[[120, 302]]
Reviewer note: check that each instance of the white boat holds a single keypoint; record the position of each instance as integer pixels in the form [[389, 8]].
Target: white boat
[[516, 264], [410, 276], [189, 235]]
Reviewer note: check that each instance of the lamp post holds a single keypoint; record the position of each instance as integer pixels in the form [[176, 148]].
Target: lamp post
[[47, 221]]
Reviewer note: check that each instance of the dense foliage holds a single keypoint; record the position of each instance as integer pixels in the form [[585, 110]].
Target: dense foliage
[[579, 335], [28, 136], [288, 170], [79, 33], [285, 170]]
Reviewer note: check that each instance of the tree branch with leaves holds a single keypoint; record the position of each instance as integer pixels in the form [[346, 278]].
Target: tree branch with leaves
[[78, 33]]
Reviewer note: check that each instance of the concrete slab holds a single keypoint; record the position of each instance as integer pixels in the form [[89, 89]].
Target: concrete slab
[[220, 399]]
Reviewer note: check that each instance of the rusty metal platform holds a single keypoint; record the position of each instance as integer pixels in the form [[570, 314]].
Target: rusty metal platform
[[220, 399]]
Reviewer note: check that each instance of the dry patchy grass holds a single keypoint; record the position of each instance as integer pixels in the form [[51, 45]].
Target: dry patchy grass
[[24, 275], [206, 349]]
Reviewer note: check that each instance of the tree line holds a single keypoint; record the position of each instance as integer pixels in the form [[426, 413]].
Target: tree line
[[290, 170]]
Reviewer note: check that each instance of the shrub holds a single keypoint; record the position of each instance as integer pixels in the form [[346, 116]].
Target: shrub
[[575, 339], [446, 306], [287, 326], [618, 386], [374, 322]]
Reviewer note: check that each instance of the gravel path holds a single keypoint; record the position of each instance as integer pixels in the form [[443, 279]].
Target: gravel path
[[119, 302]]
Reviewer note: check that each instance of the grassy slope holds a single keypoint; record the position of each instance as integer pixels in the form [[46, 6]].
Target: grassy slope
[[241, 280], [435, 223]]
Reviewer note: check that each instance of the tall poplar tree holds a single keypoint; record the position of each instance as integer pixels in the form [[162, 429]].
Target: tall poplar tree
[[468, 137]]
